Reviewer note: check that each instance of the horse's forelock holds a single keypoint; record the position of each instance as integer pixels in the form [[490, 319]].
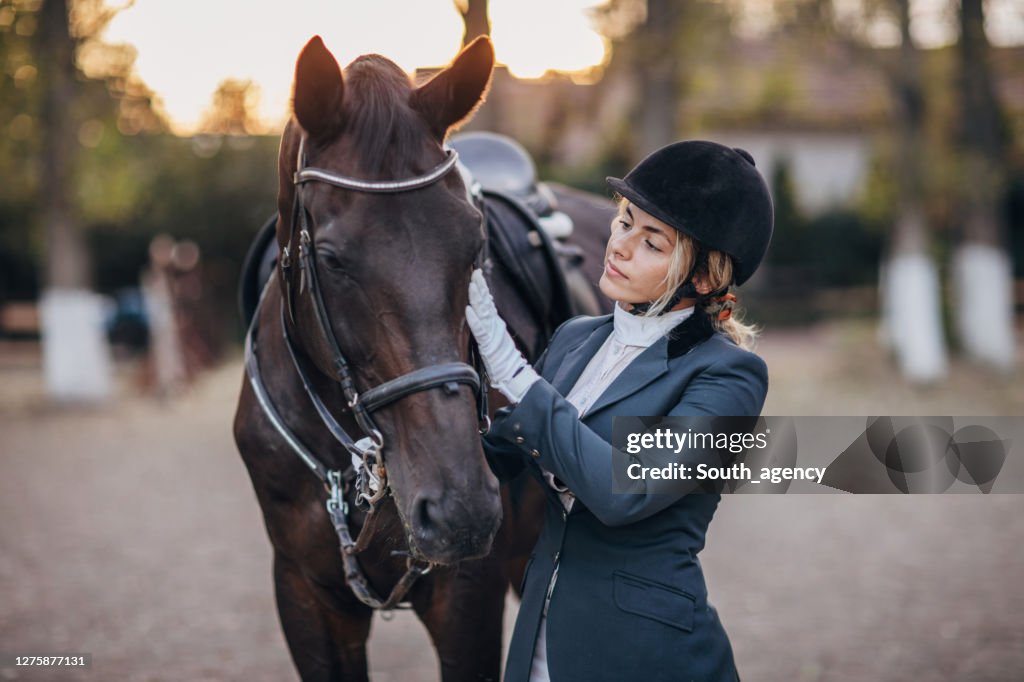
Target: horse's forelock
[[378, 119]]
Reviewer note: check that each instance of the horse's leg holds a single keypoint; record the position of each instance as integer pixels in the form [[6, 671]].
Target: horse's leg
[[523, 508], [327, 644], [463, 615]]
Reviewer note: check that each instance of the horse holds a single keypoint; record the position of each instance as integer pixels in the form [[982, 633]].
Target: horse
[[359, 414]]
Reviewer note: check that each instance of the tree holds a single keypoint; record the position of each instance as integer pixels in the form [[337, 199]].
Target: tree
[[910, 291], [659, 74], [476, 23], [474, 18], [657, 47], [76, 359], [67, 261], [982, 267], [233, 109]]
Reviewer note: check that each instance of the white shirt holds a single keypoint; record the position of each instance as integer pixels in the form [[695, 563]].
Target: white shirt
[[631, 336]]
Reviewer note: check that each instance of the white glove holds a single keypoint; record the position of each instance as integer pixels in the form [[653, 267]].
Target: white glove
[[508, 370]]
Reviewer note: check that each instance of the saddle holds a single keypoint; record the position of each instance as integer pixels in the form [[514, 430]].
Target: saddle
[[500, 164], [260, 261], [545, 267], [519, 245]]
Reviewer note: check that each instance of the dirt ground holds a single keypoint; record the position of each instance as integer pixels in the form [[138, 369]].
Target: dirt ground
[[131, 533]]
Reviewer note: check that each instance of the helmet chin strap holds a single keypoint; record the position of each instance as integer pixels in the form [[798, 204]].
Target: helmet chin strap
[[685, 290]]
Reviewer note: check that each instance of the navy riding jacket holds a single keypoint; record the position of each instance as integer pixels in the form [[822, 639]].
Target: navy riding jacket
[[630, 601]]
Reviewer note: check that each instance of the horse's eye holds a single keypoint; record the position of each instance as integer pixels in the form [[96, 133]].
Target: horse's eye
[[330, 260]]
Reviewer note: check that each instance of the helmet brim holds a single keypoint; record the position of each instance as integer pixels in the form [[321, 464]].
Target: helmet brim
[[624, 189]]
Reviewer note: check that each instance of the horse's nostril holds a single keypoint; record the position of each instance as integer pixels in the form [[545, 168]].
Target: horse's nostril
[[452, 527], [427, 517]]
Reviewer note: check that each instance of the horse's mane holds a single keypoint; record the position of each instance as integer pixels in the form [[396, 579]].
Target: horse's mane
[[382, 125]]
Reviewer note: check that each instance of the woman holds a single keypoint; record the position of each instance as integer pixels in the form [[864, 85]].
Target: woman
[[614, 589]]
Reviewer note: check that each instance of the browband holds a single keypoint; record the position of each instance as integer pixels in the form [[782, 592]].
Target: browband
[[311, 174]]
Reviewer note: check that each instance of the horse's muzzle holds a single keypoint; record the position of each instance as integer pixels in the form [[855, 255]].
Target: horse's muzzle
[[454, 527]]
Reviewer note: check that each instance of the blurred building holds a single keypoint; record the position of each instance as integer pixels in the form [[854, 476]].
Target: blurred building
[[821, 113]]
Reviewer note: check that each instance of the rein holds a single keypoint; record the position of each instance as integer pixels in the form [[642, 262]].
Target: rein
[[367, 473]]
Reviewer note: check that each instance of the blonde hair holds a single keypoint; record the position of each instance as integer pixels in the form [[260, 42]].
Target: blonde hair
[[719, 274]]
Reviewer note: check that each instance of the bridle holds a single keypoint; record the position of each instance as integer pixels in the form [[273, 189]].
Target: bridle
[[367, 473]]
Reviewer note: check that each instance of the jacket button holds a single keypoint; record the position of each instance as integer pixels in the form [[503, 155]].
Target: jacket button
[[517, 427], [520, 440], [534, 453]]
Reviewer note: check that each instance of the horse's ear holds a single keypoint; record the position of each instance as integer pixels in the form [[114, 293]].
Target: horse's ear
[[318, 89], [452, 95]]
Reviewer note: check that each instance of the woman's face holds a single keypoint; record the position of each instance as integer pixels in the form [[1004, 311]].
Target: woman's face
[[637, 257]]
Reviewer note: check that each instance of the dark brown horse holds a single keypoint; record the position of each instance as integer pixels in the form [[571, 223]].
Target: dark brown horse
[[359, 362]]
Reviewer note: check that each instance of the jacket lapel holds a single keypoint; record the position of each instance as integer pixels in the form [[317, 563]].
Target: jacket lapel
[[653, 362], [576, 358], [647, 367]]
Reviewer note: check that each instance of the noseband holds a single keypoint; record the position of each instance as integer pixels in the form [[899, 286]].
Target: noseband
[[367, 461]]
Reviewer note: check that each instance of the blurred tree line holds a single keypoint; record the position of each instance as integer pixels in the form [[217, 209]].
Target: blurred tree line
[[945, 168], [128, 178]]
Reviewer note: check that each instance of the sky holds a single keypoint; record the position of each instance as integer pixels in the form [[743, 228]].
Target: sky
[[186, 48]]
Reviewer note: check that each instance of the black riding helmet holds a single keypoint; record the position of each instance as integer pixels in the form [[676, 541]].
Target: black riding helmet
[[710, 192]]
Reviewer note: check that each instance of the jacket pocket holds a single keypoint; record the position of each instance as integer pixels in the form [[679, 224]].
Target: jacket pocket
[[653, 600]]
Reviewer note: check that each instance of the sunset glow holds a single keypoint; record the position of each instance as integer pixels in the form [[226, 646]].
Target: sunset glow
[[186, 48]]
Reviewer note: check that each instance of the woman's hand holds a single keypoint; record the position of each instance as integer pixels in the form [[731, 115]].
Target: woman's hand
[[508, 370]]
